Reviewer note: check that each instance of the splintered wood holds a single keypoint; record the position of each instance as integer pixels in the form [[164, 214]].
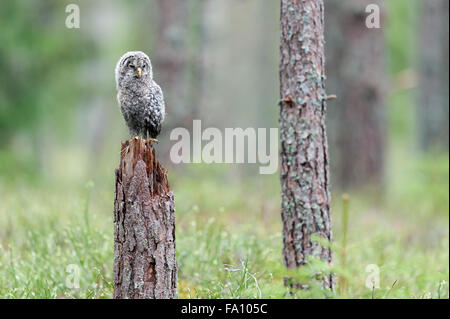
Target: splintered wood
[[144, 226]]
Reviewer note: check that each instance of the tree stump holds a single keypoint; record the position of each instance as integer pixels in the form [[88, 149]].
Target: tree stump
[[144, 226]]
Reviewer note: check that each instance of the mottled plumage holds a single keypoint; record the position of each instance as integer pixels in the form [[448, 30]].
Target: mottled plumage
[[140, 99]]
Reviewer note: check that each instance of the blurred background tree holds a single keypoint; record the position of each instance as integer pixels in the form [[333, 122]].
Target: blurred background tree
[[179, 55], [356, 73], [433, 53], [217, 61]]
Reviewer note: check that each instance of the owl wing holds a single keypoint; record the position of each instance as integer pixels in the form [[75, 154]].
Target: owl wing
[[154, 111]]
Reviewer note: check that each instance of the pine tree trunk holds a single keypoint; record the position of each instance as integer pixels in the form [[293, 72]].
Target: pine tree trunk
[[179, 56], [304, 152], [144, 226], [170, 51], [357, 76], [433, 116]]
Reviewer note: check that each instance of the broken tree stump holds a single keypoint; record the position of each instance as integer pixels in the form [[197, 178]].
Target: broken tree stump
[[144, 226]]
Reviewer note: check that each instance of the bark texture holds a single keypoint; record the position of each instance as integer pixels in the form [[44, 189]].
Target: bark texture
[[305, 207], [433, 114], [144, 226], [356, 74]]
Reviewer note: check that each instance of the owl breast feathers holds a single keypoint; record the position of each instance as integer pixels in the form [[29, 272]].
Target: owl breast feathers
[[140, 99]]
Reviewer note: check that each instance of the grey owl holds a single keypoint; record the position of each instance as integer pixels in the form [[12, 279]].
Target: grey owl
[[140, 99]]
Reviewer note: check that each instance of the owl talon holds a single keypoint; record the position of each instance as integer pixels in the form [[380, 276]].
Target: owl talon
[[152, 140]]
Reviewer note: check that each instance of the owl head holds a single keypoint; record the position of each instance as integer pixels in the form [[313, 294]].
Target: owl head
[[133, 66]]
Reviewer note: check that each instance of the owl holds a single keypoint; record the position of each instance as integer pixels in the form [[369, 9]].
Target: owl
[[140, 98]]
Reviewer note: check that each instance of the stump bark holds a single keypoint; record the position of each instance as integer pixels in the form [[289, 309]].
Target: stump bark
[[144, 226]]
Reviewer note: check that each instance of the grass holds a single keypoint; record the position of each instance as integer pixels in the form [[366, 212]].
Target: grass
[[56, 238]]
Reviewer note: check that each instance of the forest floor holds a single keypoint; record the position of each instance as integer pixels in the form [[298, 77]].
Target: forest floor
[[56, 239]]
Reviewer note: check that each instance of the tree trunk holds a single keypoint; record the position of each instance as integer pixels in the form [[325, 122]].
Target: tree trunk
[[179, 57], [171, 57], [434, 94], [356, 75], [305, 208], [144, 226], [196, 60]]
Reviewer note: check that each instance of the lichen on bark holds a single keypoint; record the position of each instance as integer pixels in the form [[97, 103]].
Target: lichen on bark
[[304, 176]]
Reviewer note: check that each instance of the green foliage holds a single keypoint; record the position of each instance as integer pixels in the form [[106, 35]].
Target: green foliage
[[401, 33], [38, 58]]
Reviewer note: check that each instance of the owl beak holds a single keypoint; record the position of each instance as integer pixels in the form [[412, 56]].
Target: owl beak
[[139, 72]]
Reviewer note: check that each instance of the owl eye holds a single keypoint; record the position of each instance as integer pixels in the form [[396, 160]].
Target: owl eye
[[144, 66], [131, 66]]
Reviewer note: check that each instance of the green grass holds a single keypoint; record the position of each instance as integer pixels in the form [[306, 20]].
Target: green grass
[[229, 237]]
